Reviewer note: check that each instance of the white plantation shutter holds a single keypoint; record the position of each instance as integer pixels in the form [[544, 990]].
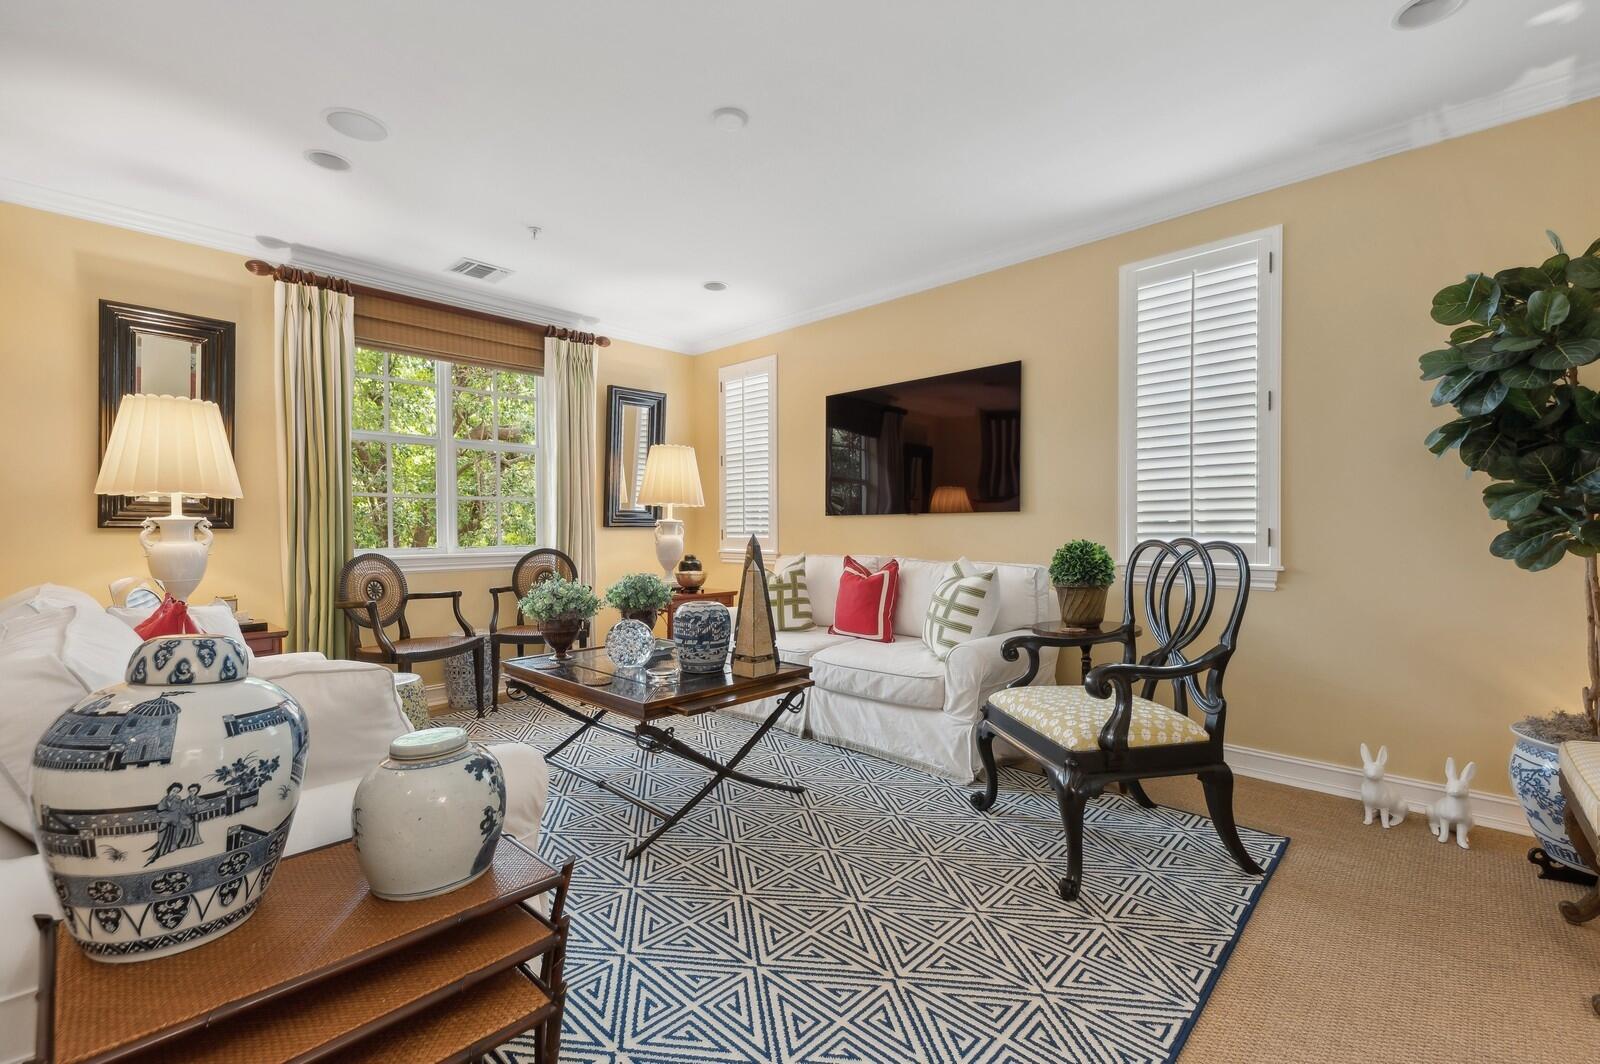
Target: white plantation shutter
[[749, 454], [1199, 420]]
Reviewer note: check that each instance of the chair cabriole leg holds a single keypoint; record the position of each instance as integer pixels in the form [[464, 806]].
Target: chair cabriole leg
[[984, 800], [1218, 784]]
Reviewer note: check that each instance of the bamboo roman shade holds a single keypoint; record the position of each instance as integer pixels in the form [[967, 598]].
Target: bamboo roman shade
[[446, 333]]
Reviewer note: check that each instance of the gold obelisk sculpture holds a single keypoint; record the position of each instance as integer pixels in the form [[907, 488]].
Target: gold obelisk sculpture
[[754, 651]]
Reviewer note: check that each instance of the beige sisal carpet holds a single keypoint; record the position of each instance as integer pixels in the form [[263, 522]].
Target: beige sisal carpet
[[1377, 946]]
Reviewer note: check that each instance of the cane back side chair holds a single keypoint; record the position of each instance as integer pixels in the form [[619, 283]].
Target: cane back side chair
[[534, 566], [374, 596]]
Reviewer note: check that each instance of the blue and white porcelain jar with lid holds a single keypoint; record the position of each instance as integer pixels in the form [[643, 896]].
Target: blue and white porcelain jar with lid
[[702, 631], [162, 805], [427, 819]]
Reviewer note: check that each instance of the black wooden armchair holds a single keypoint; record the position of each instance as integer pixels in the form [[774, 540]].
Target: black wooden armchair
[[532, 567], [1091, 736], [373, 595]]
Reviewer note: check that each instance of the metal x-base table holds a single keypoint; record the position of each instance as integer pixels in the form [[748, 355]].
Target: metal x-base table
[[590, 677]]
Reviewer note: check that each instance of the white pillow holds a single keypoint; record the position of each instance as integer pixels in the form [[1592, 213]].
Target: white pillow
[[963, 608], [97, 647], [36, 687], [211, 620]]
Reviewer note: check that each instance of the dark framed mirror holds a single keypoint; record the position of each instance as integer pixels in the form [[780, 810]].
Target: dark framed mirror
[[636, 420], [144, 350]]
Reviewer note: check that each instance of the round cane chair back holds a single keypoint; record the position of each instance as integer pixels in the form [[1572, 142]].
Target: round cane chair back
[[373, 578], [536, 565]]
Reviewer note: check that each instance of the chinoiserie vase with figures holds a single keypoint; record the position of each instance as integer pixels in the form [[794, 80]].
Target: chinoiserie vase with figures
[[702, 630], [162, 804], [427, 819]]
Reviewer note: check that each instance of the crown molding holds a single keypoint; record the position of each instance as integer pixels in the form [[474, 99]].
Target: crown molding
[[362, 271], [1442, 123]]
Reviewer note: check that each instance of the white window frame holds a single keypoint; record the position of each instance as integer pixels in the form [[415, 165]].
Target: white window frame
[[731, 547], [1266, 561], [446, 558]]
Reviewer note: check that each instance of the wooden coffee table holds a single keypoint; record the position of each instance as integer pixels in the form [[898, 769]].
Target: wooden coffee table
[[589, 676], [325, 971]]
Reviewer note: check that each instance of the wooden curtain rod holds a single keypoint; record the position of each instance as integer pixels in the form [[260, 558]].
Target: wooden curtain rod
[[294, 275]]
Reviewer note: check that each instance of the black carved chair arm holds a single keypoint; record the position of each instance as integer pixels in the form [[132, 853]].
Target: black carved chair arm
[[1014, 647], [1107, 681], [370, 608], [455, 605], [494, 612]]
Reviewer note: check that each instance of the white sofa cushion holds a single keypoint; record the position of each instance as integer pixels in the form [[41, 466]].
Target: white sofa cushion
[[904, 672], [919, 579], [822, 580], [211, 620], [802, 646], [352, 711], [97, 646], [36, 687]]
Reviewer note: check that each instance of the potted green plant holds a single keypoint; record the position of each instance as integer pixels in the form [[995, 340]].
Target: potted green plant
[[639, 597], [1081, 571], [560, 607], [1510, 370]]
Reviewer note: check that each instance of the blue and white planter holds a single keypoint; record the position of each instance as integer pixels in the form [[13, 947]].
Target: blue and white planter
[[1535, 780], [162, 805], [428, 819], [702, 631]]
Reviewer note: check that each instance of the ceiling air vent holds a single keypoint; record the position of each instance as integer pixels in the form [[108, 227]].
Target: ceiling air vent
[[478, 271]]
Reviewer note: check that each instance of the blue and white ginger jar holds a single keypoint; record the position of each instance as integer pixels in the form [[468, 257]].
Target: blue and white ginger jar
[[427, 820], [162, 805], [702, 631], [1535, 770]]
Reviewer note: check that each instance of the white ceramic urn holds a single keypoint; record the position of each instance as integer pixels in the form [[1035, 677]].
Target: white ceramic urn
[[162, 805], [427, 820]]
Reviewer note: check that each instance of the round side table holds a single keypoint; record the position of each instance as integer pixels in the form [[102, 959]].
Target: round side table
[[413, 699], [1086, 639]]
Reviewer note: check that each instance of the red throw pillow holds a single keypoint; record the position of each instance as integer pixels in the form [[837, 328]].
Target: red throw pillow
[[865, 608]]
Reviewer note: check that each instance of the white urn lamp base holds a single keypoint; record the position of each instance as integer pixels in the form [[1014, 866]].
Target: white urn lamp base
[[669, 544], [176, 548]]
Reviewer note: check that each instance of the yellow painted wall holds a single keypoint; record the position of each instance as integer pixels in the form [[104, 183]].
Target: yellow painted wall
[[1392, 623], [53, 272]]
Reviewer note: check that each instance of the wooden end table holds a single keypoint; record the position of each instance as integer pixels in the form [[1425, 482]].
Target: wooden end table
[[588, 676], [680, 597], [1086, 639], [264, 640], [323, 970]]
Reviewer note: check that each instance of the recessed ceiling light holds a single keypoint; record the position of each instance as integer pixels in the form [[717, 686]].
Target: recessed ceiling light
[[1420, 13], [729, 119], [327, 160], [357, 124], [714, 286]]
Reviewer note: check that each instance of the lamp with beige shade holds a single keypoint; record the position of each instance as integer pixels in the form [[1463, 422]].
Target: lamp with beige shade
[[671, 478], [950, 499], [167, 445]]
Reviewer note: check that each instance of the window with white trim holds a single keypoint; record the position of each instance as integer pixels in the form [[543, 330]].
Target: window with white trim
[[443, 457], [1199, 426], [747, 424]]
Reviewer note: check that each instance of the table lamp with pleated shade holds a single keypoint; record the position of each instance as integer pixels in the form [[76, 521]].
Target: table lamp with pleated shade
[[671, 478], [168, 445]]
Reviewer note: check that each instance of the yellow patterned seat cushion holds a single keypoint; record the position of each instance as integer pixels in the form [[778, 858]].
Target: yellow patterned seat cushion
[[1072, 718]]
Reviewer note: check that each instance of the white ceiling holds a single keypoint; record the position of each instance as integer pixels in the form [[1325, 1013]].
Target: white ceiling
[[892, 145]]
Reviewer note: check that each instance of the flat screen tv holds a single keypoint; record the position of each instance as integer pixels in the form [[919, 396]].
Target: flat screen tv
[[945, 444]]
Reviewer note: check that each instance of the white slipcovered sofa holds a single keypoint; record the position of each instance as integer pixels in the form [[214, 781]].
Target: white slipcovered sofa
[[58, 644], [897, 699]]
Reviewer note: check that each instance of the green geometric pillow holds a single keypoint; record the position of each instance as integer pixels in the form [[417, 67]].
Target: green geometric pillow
[[964, 607], [791, 602]]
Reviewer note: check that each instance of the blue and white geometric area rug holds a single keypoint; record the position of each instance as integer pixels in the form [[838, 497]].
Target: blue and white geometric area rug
[[878, 918]]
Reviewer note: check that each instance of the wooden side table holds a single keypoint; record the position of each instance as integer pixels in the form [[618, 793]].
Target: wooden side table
[[680, 597], [263, 639], [1086, 639], [324, 971]]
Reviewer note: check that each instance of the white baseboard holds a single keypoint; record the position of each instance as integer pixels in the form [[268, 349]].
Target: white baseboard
[[1488, 810]]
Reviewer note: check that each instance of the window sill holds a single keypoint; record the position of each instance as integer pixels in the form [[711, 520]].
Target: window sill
[[441, 562], [1262, 577]]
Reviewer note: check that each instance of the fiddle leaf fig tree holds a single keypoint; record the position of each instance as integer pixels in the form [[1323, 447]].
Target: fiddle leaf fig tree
[[1510, 370]]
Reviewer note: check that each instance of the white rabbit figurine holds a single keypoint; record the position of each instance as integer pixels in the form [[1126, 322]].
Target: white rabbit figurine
[[1453, 810], [1376, 795]]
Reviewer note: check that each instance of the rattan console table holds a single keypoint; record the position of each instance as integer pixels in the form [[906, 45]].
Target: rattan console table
[[323, 971]]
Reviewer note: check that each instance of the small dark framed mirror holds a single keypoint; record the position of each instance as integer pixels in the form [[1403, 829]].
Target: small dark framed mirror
[[143, 350], [637, 419]]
